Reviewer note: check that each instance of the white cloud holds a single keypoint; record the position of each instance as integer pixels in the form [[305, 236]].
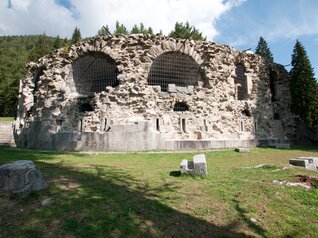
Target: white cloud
[[281, 21], [38, 16], [34, 17]]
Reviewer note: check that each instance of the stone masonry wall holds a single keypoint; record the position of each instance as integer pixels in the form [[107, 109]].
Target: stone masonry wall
[[49, 104]]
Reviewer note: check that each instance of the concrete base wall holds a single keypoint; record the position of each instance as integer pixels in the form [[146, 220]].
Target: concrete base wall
[[136, 137]]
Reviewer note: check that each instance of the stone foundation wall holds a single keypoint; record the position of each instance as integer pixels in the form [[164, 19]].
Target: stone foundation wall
[[50, 105]]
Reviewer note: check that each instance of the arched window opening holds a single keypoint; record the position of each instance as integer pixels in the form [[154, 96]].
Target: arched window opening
[[85, 107], [180, 107], [174, 68], [240, 82], [93, 72]]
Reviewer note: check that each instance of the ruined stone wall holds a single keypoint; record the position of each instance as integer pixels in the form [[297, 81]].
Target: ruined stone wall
[[141, 116]]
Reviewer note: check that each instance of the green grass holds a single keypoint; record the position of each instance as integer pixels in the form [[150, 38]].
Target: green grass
[[141, 195], [7, 119]]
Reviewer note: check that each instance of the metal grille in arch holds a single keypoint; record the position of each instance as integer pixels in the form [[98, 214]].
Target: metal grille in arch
[[93, 72], [174, 68]]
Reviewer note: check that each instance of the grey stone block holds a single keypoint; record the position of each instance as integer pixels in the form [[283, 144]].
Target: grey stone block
[[172, 88], [243, 150], [306, 162], [196, 167], [313, 160], [282, 146], [20, 178]]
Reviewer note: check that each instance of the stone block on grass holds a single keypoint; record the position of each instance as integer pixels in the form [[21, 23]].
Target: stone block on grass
[[242, 150], [197, 166], [306, 162], [20, 178]]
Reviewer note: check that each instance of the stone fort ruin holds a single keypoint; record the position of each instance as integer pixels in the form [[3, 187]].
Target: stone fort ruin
[[142, 92]]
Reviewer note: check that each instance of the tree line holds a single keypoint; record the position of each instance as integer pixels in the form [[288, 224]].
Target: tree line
[[16, 51]]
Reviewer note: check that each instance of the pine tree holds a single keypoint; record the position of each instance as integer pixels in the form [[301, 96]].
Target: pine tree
[[150, 31], [120, 29], [186, 31], [103, 31], [141, 29], [135, 30], [57, 43], [303, 87], [42, 48], [263, 50], [76, 36]]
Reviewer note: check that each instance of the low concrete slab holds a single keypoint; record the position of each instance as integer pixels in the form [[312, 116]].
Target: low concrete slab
[[196, 167], [306, 162], [243, 150], [282, 146]]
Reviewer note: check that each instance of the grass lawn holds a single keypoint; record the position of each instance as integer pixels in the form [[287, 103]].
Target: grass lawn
[[7, 119], [140, 195]]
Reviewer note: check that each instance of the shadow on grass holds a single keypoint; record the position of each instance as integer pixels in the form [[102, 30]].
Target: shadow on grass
[[241, 211], [176, 173], [101, 201]]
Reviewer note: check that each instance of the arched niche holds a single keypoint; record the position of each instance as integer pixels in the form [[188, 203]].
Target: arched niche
[[174, 68], [93, 72], [181, 107]]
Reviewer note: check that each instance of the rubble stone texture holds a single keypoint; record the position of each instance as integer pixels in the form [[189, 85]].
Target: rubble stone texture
[[142, 92], [20, 178]]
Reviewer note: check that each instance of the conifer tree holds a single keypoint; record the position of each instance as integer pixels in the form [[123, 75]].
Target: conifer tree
[[57, 42], [303, 87], [135, 30], [150, 31], [186, 31], [42, 48], [263, 50], [103, 31], [120, 29], [76, 36]]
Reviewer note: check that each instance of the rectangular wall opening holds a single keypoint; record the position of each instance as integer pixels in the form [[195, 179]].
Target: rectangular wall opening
[[241, 125], [80, 125], [255, 126], [58, 125], [105, 124], [205, 125], [183, 125], [157, 124]]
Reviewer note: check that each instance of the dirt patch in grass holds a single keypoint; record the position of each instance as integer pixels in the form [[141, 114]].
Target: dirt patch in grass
[[309, 180], [67, 184]]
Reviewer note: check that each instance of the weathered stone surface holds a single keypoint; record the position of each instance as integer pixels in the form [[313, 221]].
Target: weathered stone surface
[[199, 165], [306, 162], [20, 178], [49, 112], [243, 150], [196, 167]]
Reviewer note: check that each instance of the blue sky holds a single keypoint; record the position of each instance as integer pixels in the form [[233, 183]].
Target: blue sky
[[238, 23]]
